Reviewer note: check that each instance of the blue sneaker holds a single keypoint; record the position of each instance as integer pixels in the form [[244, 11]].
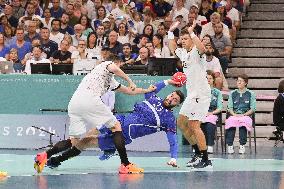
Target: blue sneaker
[[107, 154]]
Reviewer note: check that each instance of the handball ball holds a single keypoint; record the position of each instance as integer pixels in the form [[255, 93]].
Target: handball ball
[[180, 78]]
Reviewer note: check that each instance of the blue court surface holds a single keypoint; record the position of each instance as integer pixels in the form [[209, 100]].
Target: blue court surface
[[263, 170]]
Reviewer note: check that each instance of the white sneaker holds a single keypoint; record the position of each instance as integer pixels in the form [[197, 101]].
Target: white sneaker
[[231, 150], [242, 149], [210, 149]]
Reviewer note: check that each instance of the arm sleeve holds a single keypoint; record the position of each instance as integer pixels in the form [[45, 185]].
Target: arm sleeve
[[160, 85], [220, 101], [172, 139]]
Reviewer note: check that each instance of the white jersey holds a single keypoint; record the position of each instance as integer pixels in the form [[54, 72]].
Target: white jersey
[[195, 71], [99, 81]]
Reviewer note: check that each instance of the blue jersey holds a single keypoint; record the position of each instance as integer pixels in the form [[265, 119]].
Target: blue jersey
[[148, 117]]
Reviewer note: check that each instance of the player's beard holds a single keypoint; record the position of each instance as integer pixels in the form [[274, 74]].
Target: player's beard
[[167, 104]]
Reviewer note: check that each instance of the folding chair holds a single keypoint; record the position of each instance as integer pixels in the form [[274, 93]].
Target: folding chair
[[249, 133]]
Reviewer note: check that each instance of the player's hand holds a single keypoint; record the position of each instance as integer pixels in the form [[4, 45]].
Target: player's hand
[[172, 162], [151, 88], [132, 86], [191, 28], [174, 83], [174, 26]]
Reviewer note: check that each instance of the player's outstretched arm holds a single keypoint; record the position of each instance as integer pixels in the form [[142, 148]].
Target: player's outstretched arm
[[118, 72], [127, 90], [196, 41], [171, 37]]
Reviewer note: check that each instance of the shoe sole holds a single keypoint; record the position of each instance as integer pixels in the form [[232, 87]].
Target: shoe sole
[[39, 167]]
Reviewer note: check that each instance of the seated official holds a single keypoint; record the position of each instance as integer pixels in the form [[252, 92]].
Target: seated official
[[127, 56], [209, 127], [37, 58], [81, 52], [62, 55], [241, 105]]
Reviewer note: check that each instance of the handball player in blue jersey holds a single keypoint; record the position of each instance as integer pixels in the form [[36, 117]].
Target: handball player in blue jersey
[[152, 115]]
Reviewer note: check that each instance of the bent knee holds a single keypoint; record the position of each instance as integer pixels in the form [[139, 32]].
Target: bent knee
[[182, 122]]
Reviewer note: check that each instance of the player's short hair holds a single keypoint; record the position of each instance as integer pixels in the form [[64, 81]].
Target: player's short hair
[[244, 77], [181, 95], [113, 58], [281, 87]]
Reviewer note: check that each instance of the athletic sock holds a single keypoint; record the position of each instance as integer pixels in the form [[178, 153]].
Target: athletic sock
[[196, 149], [59, 147], [204, 155], [119, 143], [72, 152]]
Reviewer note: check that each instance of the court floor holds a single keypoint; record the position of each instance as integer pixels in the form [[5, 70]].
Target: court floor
[[263, 170]]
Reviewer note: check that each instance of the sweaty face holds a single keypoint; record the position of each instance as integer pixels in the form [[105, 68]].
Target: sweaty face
[[171, 100]]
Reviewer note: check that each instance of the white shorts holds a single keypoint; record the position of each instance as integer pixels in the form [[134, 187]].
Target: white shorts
[[87, 112], [196, 108]]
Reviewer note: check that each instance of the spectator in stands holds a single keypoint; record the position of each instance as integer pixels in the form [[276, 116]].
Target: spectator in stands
[[278, 109], [48, 46], [31, 33], [29, 56], [37, 58], [101, 15], [69, 38], [223, 13], [143, 58], [85, 23], [148, 18], [62, 55], [101, 37], [206, 9], [123, 34], [47, 18], [56, 11], [8, 11], [142, 42], [13, 57], [223, 44], [4, 23], [163, 32], [9, 34], [92, 47], [127, 56], [65, 27], [81, 52], [149, 31], [78, 28], [160, 50], [149, 45], [38, 20], [107, 26], [234, 15], [114, 45], [241, 105], [30, 12], [162, 8], [215, 108], [212, 63], [20, 44], [119, 9], [191, 17], [4, 50], [18, 10], [180, 10], [79, 9], [55, 34], [72, 18], [209, 27], [38, 9]]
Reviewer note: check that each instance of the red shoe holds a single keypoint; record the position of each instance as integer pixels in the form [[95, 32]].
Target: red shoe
[[40, 161], [130, 169]]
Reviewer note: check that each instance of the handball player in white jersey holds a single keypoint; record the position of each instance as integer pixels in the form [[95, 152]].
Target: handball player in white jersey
[[196, 104], [87, 113]]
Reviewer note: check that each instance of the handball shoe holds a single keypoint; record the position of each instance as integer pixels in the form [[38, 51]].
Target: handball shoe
[[130, 169], [40, 161]]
